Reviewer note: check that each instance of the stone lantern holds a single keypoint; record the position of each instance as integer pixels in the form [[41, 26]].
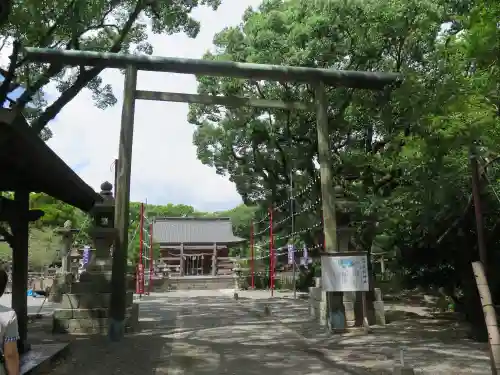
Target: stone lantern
[[64, 276], [103, 232], [85, 308], [237, 272]]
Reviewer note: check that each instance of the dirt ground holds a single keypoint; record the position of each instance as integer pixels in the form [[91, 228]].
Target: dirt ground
[[208, 332]]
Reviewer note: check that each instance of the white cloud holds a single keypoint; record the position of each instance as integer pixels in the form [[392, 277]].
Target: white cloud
[[165, 168]]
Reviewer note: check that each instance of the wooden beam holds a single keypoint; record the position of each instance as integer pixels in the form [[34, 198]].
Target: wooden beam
[[122, 207], [228, 101], [283, 73]]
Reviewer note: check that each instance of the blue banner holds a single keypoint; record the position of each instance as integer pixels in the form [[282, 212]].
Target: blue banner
[[86, 255]]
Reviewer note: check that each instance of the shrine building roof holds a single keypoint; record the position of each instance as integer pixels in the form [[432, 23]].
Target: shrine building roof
[[194, 231]]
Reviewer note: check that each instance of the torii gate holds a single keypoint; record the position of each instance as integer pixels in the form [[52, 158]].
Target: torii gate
[[317, 77]]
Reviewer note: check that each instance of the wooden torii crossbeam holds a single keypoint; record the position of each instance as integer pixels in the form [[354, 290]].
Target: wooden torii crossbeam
[[318, 78]]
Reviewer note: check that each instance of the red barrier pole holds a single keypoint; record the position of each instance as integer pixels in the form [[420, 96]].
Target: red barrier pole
[[252, 269], [271, 252], [151, 268]]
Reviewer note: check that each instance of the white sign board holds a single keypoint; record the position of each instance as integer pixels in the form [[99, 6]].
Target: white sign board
[[344, 273]]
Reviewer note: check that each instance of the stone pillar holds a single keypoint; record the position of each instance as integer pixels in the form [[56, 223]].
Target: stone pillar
[[382, 265], [85, 307], [349, 298], [181, 260], [214, 260], [67, 234], [378, 307], [236, 277]]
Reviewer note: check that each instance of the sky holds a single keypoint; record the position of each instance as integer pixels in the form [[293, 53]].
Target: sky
[[165, 168]]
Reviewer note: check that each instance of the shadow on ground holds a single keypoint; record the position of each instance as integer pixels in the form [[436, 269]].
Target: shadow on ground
[[432, 346], [200, 335]]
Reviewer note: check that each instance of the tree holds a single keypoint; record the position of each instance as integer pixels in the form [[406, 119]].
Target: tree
[[44, 244], [403, 157], [43, 247], [103, 26], [56, 213]]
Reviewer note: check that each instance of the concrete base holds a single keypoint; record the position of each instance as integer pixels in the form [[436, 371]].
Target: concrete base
[[40, 359], [352, 306], [91, 321], [84, 308], [193, 283]]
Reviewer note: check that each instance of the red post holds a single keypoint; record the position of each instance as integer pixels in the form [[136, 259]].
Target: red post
[[252, 269], [141, 249], [151, 268], [271, 252]]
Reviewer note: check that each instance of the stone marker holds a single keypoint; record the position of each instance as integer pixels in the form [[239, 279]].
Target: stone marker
[[267, 310], [403, 370]]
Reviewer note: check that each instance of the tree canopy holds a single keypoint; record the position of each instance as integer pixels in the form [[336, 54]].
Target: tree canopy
[[402, 156], [45, 243], [102, 25]]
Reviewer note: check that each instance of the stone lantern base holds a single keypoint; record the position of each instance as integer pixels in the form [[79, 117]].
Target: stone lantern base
[[84, 307]]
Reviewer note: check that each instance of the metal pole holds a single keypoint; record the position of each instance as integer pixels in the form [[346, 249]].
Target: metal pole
[[122, 202], [294, 268], [252, 265]]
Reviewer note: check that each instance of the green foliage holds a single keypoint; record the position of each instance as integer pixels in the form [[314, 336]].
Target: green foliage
[[408, 151], [44, 245], [44, 242], [101, 25], [56, 213]]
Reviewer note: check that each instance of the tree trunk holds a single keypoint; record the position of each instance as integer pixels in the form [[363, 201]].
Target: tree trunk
[[490, 316]]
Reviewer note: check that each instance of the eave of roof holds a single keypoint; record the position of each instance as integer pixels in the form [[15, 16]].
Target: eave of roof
[[27, 162]]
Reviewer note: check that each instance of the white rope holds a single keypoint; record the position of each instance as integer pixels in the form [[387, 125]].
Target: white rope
[[289, 217], [312, 182]]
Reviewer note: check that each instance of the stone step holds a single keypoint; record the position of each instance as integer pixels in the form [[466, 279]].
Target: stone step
[[98, 313], [90, 300], [89, 327]]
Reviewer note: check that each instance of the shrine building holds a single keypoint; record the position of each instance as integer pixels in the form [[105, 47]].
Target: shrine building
[[195, 246]]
